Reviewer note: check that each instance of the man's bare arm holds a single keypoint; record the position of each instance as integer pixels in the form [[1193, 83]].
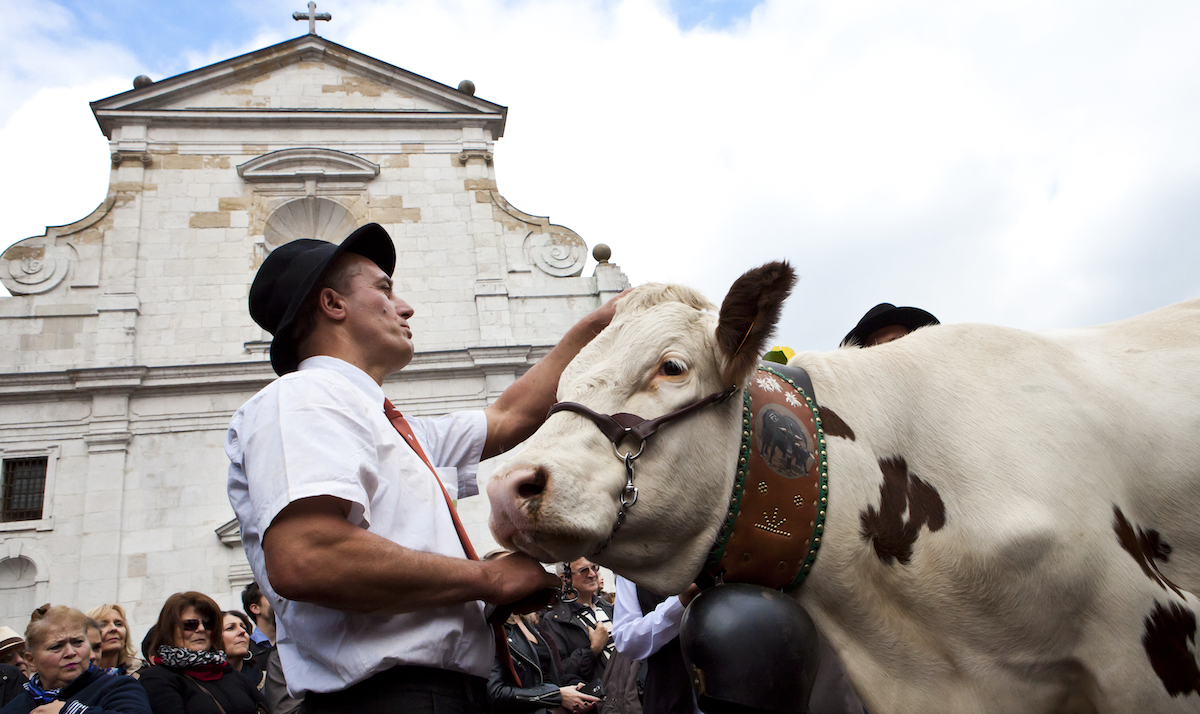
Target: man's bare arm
[[522, 407], [313, 554]]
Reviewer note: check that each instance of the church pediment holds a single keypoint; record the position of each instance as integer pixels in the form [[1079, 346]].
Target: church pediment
[[309, 75]]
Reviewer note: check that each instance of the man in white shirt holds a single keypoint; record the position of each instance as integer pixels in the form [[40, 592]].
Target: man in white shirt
[[646, 627], [346, 528]]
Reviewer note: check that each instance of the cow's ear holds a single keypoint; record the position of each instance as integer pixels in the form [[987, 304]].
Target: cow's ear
[[748, 317]]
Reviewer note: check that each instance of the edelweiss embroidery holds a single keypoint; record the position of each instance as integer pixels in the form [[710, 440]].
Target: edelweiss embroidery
[[768, 385]]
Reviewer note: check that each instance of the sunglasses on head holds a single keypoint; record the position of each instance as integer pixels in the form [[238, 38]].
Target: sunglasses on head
[[193, 625], [589, 568]]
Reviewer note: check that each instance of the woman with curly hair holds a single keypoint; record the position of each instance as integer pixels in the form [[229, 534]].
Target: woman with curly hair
[[117, 653], [189, 673]]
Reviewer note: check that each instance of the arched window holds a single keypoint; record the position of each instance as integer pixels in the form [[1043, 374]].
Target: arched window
[[18, 591]]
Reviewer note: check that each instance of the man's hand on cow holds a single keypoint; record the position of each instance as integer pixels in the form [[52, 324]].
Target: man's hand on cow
[[522, 407], [686, 596], [601, 316], [514, 576], [599, 637]]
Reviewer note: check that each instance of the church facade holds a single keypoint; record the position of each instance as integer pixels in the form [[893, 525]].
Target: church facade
[[129, 345]]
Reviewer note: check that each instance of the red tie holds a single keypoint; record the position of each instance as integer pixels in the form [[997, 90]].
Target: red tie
[[401, 424]]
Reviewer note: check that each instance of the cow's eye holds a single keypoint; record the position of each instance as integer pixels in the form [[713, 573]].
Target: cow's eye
[[673, 368]]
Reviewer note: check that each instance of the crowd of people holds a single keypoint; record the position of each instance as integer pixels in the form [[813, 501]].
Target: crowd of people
[[198, 659], [195, 658]]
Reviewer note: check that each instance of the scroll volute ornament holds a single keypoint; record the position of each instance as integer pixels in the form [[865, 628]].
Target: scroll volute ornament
[[558, 253], [29, 269]]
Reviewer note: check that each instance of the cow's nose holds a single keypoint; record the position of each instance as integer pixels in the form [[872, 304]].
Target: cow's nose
[[527, 483], [515, 501]]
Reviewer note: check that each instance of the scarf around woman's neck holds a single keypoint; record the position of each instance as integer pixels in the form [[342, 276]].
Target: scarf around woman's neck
[[206, 666], [44, 696]]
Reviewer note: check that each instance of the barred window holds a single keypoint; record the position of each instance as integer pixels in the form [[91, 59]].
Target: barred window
[[24, 488]]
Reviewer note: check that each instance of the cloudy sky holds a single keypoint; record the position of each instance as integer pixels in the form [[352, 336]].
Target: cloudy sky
[[1034, 164]]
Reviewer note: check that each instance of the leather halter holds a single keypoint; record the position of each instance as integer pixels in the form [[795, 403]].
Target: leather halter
[[776, 515], [617, 427]]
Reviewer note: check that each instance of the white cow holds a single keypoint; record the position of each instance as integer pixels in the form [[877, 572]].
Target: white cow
[[1067, 464]]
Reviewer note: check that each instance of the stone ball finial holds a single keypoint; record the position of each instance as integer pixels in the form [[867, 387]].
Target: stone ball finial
[[467, 87], [601, 253], [142, 81]]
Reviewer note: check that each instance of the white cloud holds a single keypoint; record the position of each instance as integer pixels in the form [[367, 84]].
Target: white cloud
[[56, 159], [990, 162], [44, 47]]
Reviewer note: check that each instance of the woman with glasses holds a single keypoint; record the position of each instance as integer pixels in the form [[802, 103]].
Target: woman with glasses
[[190, 674]]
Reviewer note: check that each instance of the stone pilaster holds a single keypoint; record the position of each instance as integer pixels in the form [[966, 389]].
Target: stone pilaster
[[108, 438]]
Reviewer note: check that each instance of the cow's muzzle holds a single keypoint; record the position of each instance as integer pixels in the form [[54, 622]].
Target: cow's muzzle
[[516, 497]]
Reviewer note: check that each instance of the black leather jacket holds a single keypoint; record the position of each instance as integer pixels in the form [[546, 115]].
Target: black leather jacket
[[566, 630], [538, 692]]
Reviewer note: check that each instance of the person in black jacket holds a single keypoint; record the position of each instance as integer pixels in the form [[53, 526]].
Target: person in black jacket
[[64, 679], [581, 630], [11, 680], [189, 673], [535, 663]]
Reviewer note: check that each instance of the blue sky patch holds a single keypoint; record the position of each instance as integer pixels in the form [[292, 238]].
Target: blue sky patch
[[162, 34], [713, 14]]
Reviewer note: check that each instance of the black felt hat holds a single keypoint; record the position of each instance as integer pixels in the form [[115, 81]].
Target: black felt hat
[[290, 273], [884, 315]]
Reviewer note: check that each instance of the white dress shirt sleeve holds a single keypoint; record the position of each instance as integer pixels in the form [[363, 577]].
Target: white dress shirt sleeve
[[638, 635], [310, 437]]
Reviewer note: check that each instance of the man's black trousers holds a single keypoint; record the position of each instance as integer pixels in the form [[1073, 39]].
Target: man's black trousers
[[407, 689]]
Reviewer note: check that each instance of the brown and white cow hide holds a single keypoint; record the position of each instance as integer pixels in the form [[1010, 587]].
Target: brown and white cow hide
[[1012, 517]]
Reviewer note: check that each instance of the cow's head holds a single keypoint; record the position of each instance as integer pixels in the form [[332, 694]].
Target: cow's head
[[558, 498]]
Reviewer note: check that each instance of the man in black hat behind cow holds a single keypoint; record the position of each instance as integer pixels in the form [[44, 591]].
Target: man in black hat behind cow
[[886, 322], [343, 513]]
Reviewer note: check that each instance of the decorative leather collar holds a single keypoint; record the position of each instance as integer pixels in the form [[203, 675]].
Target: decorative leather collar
[[776, 515]]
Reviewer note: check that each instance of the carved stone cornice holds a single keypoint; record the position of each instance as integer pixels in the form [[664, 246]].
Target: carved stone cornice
[[142, 381], [230, 534], [465, 156], [240, 575], [107, 378], [120, 157], [508, 356], [107, 441]]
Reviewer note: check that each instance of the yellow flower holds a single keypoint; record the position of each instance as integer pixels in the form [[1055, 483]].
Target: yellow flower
[[779, 354]]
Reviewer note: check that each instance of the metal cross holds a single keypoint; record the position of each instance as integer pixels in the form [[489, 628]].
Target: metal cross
[[312, 16]]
